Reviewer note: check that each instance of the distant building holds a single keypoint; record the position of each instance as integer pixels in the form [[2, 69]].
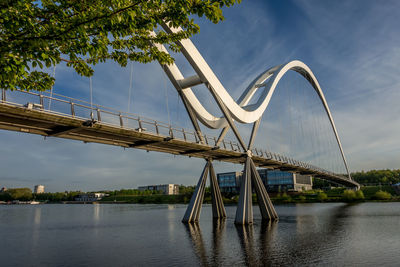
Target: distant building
[[167, 189], [273, 180], [38, 189], [90, 197], [287, 181], [229, 182]]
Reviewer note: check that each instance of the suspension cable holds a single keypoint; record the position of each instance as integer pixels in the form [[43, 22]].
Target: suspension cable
[[91, 97], [166, 99], [130, 88], [51, 90]]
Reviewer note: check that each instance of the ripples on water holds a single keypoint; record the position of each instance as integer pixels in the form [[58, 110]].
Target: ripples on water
[[337, 234]]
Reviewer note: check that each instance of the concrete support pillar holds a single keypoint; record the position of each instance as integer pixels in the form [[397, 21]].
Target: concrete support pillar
[[193, 210], [244, 211], [264, 202], [216, 198]]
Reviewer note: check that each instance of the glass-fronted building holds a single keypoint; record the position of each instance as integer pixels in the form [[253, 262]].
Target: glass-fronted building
[[273, 180], [229, 182]]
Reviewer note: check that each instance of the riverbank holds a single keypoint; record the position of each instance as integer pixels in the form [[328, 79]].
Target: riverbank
[[366, 194]]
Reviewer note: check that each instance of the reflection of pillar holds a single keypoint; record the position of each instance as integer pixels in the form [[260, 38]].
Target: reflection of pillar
[[267, 231], [245, 233], [244, 212], [37, 215], [218, 231], [193, 210], [96, 212], [196, 238], [197, 242]]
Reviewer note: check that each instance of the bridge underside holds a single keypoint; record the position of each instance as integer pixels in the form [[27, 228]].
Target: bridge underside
[[49, 124]]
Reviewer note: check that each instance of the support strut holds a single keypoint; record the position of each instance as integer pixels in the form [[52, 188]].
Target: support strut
[[216, 198], [264, 202], [244, 212], [193, 210]]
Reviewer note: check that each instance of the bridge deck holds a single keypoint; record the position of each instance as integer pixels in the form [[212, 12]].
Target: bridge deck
[[33, 118]]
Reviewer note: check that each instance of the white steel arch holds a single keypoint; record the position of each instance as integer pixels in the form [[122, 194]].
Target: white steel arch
[[240, 110]]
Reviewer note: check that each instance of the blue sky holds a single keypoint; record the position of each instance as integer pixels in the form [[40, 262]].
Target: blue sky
[[351, 46]]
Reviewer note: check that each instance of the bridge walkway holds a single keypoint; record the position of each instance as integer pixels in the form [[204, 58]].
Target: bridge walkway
[[74, 119]]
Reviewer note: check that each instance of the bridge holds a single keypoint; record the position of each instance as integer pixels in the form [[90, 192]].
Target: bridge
[[53, 115]]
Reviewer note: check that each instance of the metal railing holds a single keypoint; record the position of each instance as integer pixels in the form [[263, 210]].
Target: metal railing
[[79, 109]]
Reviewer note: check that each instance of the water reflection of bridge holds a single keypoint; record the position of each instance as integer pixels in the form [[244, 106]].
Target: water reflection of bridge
[[302, 237]]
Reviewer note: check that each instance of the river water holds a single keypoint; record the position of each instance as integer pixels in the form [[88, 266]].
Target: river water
[[334, 234]]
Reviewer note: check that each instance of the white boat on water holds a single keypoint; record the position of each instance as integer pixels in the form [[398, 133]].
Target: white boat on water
[[33, 202]]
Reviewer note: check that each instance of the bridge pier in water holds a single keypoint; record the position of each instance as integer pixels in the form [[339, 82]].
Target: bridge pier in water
[[244, 212], [192, 214]]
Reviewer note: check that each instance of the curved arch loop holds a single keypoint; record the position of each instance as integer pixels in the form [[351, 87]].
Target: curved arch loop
[[240, 110]]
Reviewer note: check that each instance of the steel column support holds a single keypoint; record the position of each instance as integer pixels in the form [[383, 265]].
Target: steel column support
[[216, 198], [222, 135], [264, 202], [193, 210], [227, 115], [253, 133], [244, 211], [192, 117]]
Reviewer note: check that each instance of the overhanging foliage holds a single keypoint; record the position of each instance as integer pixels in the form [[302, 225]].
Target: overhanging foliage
[[39, 34]]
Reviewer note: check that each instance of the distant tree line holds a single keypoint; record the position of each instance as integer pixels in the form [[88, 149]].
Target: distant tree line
[[367, 177], [377, 177], [25, 194], [57, 196]]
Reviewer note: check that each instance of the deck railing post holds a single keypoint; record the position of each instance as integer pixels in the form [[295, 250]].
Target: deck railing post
[[156, 126], [3, 95], [140, 124], [72, 109], [98, 115], [184, 135], [121, 121], [41, 101]]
